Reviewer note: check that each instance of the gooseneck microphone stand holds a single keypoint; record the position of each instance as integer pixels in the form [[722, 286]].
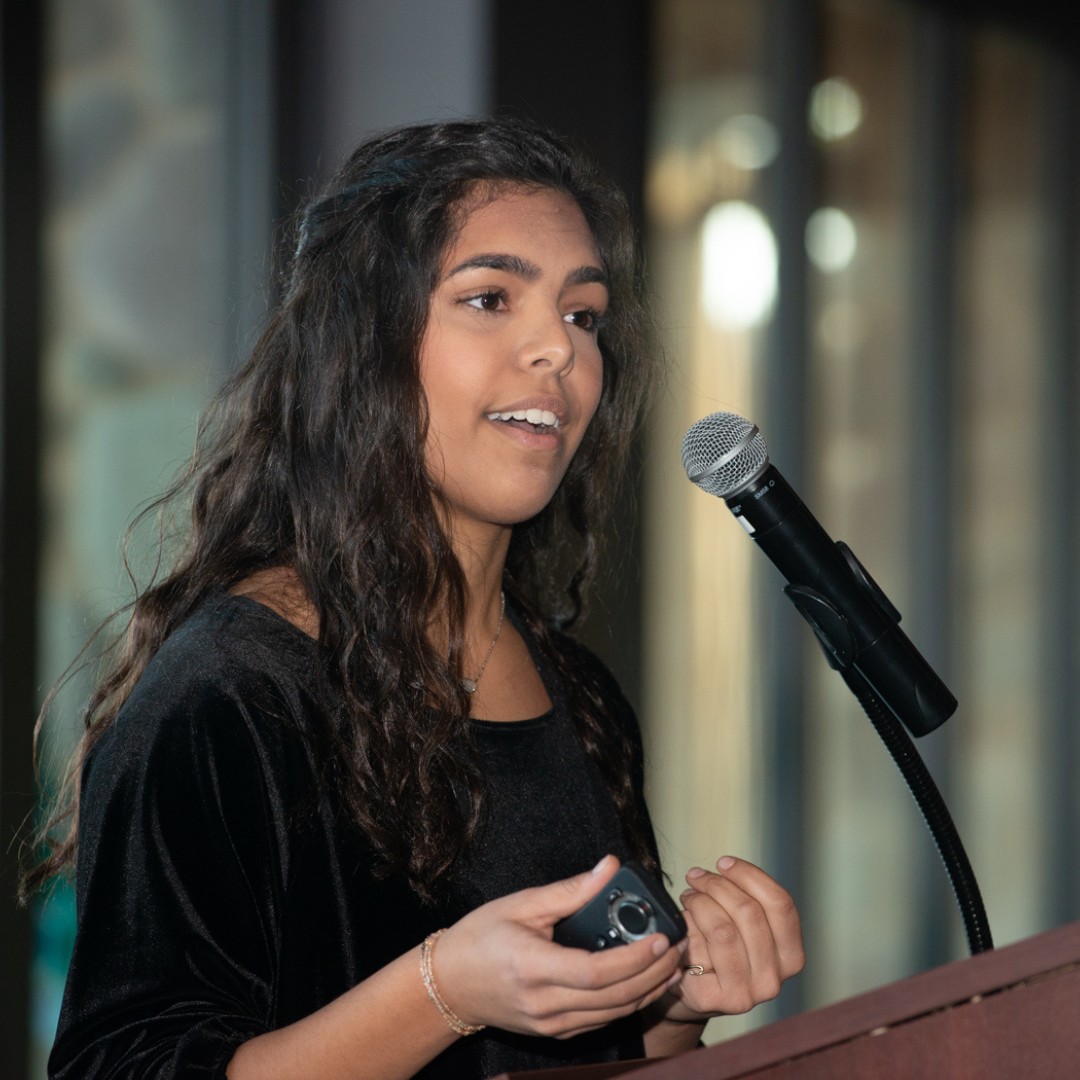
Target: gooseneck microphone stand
[[912, 767], [934, 811], [856, 625]]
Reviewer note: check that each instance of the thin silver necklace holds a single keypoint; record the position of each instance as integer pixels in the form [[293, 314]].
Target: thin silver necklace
[[469, 685]]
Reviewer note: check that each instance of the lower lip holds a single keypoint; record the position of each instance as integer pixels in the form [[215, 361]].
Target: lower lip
[[535, 440]]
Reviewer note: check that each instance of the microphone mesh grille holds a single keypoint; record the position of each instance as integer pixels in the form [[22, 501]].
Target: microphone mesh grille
[[712, 439]]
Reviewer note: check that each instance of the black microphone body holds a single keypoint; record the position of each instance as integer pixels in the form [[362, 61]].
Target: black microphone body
[[850, 615]]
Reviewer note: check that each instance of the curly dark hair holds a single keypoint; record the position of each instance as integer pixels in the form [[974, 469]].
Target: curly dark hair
[[311, 457]]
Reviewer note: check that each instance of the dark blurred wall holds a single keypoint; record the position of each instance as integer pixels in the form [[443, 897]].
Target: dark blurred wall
[[347, 68], [582, 68], [1054, 22], [21, 61]]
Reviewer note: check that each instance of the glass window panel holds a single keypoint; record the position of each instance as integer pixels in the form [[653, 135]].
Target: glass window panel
[[713, 285], [861, 906], [1000, 753]]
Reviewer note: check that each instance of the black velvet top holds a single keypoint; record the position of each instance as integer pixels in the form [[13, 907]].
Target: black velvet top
[[220, 896]]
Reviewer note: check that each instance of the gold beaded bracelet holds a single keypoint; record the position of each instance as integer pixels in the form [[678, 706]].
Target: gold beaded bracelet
[[458, 1026]]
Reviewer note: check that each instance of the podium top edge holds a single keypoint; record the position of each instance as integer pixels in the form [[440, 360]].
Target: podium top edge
[[951, 984]]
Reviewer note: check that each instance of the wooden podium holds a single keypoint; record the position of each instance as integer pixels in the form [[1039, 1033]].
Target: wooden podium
[[1010, 1014]]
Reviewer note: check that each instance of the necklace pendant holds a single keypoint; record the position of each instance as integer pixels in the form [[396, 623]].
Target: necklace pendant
[[469, 685]]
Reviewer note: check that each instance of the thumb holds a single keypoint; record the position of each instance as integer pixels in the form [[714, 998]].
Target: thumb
[[556, 901]]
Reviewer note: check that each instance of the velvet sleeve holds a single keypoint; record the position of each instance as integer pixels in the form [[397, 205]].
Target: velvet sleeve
[[179, 889]]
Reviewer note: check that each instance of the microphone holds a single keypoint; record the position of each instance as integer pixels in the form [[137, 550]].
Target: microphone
[[854, 621]]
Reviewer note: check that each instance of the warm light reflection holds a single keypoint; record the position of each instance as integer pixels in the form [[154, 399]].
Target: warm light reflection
[[836, 109], [738, 266], [831, 239]]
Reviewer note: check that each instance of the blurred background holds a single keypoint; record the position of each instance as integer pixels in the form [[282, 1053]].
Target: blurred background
[[862, 225]]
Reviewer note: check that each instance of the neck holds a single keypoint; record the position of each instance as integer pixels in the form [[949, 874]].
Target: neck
[[481, 550]]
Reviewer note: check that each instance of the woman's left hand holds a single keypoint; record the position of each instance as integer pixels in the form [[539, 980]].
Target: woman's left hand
[[744, 931]]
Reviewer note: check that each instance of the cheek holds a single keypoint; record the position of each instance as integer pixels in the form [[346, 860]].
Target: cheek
[[590, 389], [448, 385], [597, 388]]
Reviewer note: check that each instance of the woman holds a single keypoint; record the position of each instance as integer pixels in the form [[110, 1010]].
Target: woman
[[348, 719]]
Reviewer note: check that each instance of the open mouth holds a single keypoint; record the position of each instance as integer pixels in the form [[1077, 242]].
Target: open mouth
[[540, 421]]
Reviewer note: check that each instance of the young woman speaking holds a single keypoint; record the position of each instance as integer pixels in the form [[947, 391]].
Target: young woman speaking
[[349, 768]]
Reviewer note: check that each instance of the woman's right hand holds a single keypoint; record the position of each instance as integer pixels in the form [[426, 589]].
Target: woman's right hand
[[499, 966]]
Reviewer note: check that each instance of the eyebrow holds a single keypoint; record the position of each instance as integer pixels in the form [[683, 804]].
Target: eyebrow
[[529, 271], [587, 275]]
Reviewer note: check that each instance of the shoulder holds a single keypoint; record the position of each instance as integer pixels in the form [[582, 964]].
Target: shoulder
[[231, 638], [226, 687]]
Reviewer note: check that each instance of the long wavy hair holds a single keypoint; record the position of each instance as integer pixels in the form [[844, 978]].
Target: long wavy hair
[[311, 457]]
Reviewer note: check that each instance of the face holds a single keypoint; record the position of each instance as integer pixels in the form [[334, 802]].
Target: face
[[510, 362]]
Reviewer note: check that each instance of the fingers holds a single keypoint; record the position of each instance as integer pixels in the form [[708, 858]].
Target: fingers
[[577, 968], [736, 929], [586, 1012], [571, 990], [575, 1023], [743, 928], [595, 971], [545, 905], [626, 994], [582, 970], [755, 892], [698, 955], [740, 958]]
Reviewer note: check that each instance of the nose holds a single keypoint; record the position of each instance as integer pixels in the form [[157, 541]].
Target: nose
[[547, 345]]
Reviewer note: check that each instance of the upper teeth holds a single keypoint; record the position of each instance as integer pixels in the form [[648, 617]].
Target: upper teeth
[[531, 416]]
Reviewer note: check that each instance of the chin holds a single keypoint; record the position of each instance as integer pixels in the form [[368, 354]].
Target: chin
[[520, 514], [513, 510]]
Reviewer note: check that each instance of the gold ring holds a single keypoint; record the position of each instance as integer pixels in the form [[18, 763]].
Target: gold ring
[[697, 969]]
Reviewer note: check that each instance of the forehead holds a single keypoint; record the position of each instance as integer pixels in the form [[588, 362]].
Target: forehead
[[548, 224]]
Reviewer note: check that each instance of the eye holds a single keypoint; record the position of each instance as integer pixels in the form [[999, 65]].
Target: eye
[[586, 319], [489, 300]]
